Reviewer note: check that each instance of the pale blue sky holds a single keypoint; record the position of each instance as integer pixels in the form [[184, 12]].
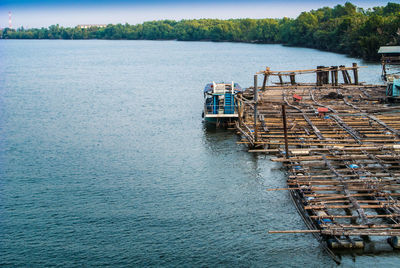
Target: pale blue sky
[[43, 13]]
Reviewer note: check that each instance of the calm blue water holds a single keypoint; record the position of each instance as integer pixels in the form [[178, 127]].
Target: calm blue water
[[105, 161]]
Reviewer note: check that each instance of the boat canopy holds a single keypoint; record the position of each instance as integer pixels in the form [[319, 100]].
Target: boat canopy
[[210, 87]]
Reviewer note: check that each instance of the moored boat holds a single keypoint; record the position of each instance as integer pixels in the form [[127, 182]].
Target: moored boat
[[220, 106]]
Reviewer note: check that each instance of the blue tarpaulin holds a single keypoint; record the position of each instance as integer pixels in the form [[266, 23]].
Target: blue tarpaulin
[[396, 88]]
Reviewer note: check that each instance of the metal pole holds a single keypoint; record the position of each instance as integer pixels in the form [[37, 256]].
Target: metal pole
[[255, 107], [285, 131]]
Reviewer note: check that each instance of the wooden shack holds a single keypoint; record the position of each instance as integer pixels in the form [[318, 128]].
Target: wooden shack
[[390, 60]]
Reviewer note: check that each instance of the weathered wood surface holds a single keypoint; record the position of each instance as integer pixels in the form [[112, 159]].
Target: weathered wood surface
[[344, 164]]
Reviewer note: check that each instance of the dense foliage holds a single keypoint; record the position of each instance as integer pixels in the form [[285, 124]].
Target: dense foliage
[[345, 29]]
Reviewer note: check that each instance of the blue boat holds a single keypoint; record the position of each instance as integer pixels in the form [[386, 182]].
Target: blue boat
[[220, 105]]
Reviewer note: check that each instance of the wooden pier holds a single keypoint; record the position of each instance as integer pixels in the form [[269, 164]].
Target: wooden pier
[[340, 143]]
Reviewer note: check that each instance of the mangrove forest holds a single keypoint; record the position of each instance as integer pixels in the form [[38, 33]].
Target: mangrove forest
[[344, 28]]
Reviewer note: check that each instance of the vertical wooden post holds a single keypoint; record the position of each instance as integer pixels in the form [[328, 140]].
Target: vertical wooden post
[[280, 79], [326, 76], [355, 72], [383, 68], [264, 82], [293, 79], [319, 76], [348, 76], [239, 104], [346, 81], [332, 76], [266, 76], [336, 76], [255, 108], [285, 131]]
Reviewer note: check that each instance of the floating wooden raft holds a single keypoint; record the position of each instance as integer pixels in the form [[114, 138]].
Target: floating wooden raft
[[341, 146]]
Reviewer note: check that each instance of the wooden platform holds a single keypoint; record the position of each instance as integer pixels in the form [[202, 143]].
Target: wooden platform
[[341, 147]]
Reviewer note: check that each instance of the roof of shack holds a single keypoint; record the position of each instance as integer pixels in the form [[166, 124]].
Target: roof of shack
[[389, 49]]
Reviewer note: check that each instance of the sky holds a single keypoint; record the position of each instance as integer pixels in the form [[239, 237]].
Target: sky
[[43, 13]]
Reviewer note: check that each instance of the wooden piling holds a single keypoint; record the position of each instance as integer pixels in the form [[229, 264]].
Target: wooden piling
[[255, 97], [336, 75], [240, 110], [280, 79], [355, 72], [345, 79], [319, 75], [293, 79], [285, 131], [264, 82], [326, 77], [348, 76]]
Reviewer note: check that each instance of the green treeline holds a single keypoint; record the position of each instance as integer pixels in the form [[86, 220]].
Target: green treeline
[[344, 29]]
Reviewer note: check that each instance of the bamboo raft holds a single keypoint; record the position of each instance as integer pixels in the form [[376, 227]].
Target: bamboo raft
[[340, 143]]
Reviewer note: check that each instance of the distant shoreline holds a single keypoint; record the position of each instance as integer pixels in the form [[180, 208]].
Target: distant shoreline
[[343, 29], [205, 41]]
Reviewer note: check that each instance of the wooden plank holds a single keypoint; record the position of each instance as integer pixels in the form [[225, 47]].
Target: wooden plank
[[294, 231], [305, 71], [354, 216], [379, 232], [337, 157], [394, 131]]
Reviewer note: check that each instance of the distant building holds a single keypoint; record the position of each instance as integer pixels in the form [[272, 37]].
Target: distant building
[[86, 26]]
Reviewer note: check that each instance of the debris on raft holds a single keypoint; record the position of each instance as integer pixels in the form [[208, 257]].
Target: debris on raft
[[341, 147], [333, 96]]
